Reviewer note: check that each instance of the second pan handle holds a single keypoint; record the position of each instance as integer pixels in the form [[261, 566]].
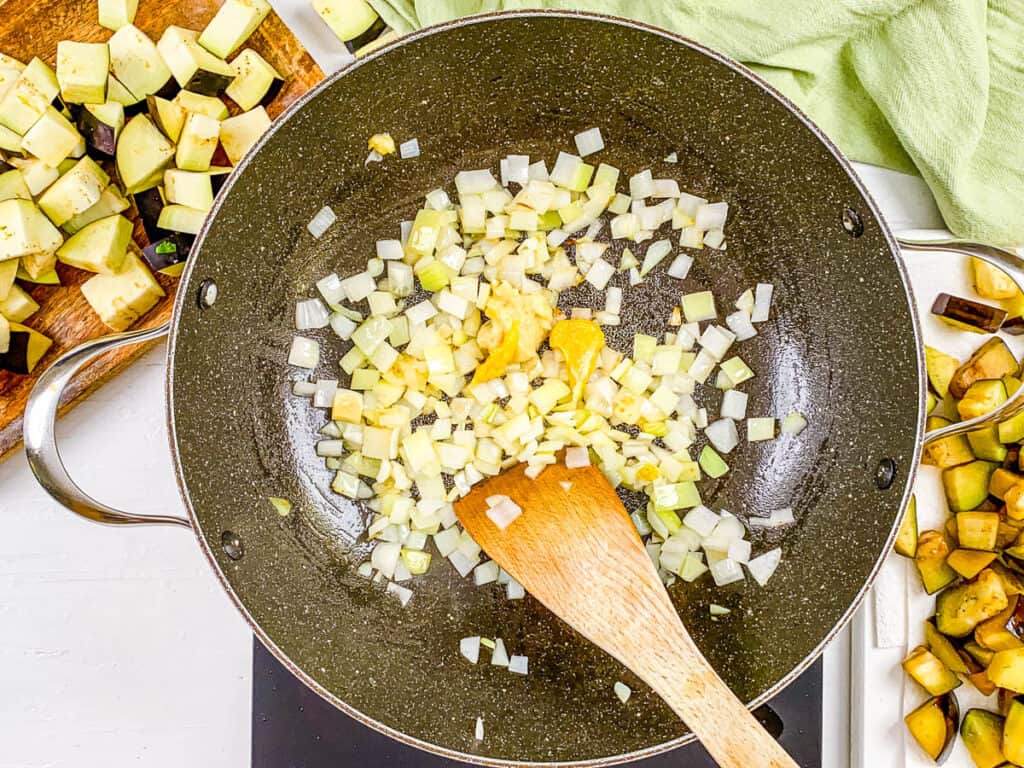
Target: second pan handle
[[1012, 265]]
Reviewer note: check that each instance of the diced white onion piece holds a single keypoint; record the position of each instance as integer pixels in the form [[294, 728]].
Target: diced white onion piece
[[518, 169], [656, 253], [373, 157], [641, 185], [759, 429], [764, 566], [330, 288], [711, 216], [474, 182], [321, 222], [700, 420], [701, 366], [385, 557], [715, 238], [722, 435], [469, 647], [499, 656], [538, 171], [634, 276], [485, 573], [405, 227], [418, 314], [446, 541], [408, 149], [680, 266], [622, 691], [702, 520], [304, 388], [438, 200], [515, 590], [739, 550], [565, 169], [323, 397], [390, 250], [404, 594], [726, 572], [691, 237], [462, 562], [478, 731], [716, 341], [577, 457], [518, 664], [739, 323], [556, 237], [600, 273], [665, 188], [304, 353], [401, 281], [311, 313], [504, 513], [589, 141], [359, 286], [672, 157], [689, 204], [495, 499], [794, 424], [342, 326], [718, 610], [734, 405], [762, 302], [777, 519]]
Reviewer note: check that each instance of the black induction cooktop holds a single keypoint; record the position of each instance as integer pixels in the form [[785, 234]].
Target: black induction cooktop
[[292, 727]]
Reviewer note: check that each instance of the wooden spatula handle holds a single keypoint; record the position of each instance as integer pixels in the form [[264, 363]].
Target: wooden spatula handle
[[677, 671]]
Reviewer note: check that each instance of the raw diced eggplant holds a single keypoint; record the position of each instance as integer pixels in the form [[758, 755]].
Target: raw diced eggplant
[[75, 192], [149, 204], [906, 539], [981, 397], [36, 174], [25, 348], [985, 444], [968, 562], [960, 609], [1004, 630], [111, 201], [9, 62], [39, 264], [238, 134], [968, 315], [5, 334], [210, 106], [189, 188], [121, 299], [114, 14], [949, 451], [982, 732], [354, 22], [928, 671], [52, 138], [933, 726], [27, 230], [12, 184], [991, 282], [168, 255], [234, 22], [100, 247], [82, 72], [100, 125], [169, 116], [1003, 480], [256, 82], [49, 278], [941, 368], [181, 218], [198, 142], [932, 550], [142, 154], [137, 63], [966, 486], [9, 140], [1007, 669], [1013, 732], [27, 100], [943, 649], [194, 67], [8, 271], [977, 530], [8, 77], [992, 360], [19, 305], [133, 105]]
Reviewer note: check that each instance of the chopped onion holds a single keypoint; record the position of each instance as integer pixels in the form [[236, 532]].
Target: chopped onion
[[404, 594], [739, 550], [330, 288], [680, 266], [794, 424], [518, 664], [390, 250], [726, 571], [485, 573], [734, 405], [711, 216], [504, 513], [474, 182], [663, 188], [622, 691], [672, 157], [469, 647], [600, 273], [641, 185], [762, 302], [722, 435], [409, 149], [577, 457], [763, 567], [478, 731], [715, 238], [385, 557], [499, 656], [739, 323], [589, 141], [462, 562], [691, 237], [323, 395], [777, 519], [496, 499], [304, 353], [515, 590], [702, 520], [518, 169], [656, 253], [718, 610], [311, 313], [304, 388], [321, 221], [342, 326]]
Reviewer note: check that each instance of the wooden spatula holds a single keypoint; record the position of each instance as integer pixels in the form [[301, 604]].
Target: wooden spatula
[[575, 549]]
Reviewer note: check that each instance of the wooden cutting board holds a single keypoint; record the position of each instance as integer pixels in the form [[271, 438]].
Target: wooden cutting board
[[33, 28]]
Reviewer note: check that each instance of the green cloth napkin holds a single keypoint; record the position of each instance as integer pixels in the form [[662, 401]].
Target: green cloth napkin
[[932, 86]]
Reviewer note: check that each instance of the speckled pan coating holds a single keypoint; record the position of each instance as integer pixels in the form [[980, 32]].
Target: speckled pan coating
[[842, 348]]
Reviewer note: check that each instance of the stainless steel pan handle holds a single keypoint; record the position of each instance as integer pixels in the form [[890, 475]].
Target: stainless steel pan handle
[[1012, 265], [41, 440]]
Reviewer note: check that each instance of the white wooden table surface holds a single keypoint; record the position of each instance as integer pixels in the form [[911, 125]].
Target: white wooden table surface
[[117, 646]]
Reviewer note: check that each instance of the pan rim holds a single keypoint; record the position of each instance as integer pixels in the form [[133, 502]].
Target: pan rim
[[185, 289]]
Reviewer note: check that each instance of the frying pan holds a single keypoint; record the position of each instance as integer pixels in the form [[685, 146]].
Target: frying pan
[[843, 348]]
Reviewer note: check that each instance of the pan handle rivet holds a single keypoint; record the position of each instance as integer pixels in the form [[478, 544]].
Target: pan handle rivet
[[852, 222], [232, 545], [885, 474], [207, 294]]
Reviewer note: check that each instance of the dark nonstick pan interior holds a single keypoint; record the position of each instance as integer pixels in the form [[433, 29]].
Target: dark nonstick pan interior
[[841, 349]]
